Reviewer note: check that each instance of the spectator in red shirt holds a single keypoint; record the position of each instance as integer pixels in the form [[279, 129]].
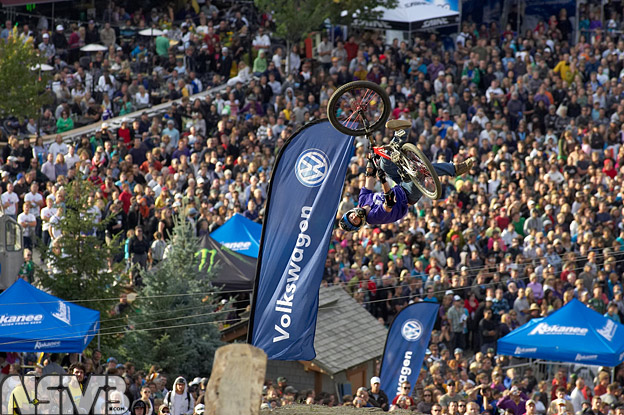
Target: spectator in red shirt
[[125, 197], [559, 380], [94, 177], [351, 47], [603, 380], [403, 400], [609, 168]]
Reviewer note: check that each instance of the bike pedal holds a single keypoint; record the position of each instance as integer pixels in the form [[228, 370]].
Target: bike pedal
[[395, 157]]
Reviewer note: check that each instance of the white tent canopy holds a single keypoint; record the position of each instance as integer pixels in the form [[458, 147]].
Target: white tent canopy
[[411, 15]]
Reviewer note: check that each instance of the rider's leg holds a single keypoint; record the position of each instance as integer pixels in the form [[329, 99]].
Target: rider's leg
[[390, 169], [413, 194], [444, 169]]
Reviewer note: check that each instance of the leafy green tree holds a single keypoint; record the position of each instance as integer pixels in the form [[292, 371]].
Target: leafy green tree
[[296, 18], [21, 82], [79, 265], [177, 332]]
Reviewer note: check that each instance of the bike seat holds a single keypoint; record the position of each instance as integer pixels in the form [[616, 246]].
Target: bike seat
[[396, 125]]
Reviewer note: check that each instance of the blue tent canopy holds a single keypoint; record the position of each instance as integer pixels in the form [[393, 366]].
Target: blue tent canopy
[[574, 333], [240, 235], [34, 321]]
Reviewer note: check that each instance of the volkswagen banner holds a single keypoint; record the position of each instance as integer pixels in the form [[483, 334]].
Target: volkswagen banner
[[302, 202], [406, 344]]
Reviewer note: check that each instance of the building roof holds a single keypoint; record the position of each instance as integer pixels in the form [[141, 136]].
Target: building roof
[[346, 334]]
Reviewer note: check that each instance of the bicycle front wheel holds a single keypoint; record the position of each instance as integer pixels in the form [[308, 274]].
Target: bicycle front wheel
[[358, 108], [421, 171]]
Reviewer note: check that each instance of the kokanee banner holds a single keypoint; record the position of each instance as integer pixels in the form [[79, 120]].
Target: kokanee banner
[[303, 197], [406, 344], [62, 395]]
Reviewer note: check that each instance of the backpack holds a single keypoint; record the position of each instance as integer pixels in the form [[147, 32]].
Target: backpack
[[188, 399]]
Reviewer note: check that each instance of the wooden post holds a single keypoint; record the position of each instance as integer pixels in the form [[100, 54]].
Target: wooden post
[[235, 386]]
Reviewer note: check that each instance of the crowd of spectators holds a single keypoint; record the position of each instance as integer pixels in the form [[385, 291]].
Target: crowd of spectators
[[537, 221]]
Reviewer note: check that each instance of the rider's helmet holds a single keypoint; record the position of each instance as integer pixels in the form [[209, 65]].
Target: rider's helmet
[[346, 224]]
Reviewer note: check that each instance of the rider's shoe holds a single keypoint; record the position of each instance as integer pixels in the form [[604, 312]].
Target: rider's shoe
[[396, 125], [464, 166], [400, 128]]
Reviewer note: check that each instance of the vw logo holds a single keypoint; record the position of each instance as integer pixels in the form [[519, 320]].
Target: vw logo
[[411, 330], [312, 167]]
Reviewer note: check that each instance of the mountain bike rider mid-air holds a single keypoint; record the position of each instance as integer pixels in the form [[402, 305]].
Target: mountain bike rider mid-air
[[392, 205]]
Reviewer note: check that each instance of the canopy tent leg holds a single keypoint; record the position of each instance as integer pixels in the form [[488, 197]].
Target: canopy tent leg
[[459, 21], [577, 19]]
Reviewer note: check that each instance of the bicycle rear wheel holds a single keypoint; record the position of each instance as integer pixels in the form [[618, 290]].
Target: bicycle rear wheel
[[358, 108], [421, 171]]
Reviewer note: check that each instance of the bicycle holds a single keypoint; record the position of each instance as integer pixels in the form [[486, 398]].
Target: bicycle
[[360, 108]]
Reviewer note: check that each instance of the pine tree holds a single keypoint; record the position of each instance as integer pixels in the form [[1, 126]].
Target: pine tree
[[82, 267], [177, 332]]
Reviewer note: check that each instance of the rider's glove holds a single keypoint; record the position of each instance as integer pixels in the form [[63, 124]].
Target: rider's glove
[[390, 198], [371, 170], [381, 175]]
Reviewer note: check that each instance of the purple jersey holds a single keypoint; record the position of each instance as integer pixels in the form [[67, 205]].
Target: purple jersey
[[378, 214]]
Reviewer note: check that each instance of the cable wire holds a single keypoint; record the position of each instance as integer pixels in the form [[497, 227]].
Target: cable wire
[[139, 297], [442, 291]]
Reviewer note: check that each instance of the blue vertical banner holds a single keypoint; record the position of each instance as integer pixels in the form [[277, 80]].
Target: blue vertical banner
[[406, 344], [302, 201]]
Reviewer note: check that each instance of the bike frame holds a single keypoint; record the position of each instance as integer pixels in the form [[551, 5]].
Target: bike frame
[[384, 151]]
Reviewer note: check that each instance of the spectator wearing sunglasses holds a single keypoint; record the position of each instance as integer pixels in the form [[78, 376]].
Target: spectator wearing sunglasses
[[426, 404], [403, 400]]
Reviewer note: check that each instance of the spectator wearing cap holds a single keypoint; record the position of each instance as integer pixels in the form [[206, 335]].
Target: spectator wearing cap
[[60, 41], [180, 401], [282, 382], [376, 396], [199, 409], [138, 407], [46, 47], [513, 400], [560, 406], [290, 394], [111, 364], [531, 407]]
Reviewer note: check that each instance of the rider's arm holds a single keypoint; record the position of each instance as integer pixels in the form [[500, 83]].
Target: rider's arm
[[386, 190], [370, 183]]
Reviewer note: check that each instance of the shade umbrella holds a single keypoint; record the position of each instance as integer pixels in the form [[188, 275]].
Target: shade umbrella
[[93, 47], [151, 32], [43, 67]]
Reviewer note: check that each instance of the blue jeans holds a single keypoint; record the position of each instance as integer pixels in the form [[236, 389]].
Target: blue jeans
[[413, 194]]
